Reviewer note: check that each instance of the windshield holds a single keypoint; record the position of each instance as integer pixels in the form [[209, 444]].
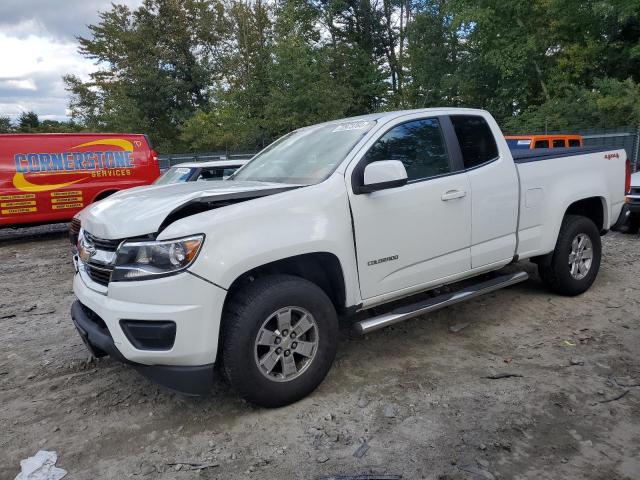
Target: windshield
[[174, 175], [305, 156]]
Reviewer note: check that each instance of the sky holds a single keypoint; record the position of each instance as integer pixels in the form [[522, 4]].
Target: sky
[[38, 46]]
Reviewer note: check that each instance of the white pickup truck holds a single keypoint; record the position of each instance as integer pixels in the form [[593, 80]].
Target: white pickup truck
[[253, 272]]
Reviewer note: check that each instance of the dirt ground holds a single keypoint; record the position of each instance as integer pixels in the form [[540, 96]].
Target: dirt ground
[[412, 400]]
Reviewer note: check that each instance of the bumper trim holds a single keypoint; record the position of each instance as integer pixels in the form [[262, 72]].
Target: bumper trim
[[188, 380], [624, 215]]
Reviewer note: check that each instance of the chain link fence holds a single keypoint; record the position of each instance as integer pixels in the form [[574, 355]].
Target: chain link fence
[[623, 137]]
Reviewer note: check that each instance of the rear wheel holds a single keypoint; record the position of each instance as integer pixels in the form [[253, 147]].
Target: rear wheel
[[575, 262], [279, 339]]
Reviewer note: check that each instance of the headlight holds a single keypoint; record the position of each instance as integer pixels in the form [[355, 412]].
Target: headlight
[[154, 259]]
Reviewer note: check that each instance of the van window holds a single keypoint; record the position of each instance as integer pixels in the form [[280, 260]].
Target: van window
[[574, 142], [541, 144], [419, 145], [518, 144], [475, 138], [558, 143]]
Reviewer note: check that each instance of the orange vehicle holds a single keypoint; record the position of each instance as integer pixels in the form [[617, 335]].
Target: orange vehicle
[[529, 142], [47, 178]]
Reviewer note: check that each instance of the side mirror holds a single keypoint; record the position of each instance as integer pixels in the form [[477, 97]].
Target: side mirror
[[382, 175]]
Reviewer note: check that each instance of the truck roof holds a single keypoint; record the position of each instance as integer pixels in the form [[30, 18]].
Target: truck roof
[[400, 113]]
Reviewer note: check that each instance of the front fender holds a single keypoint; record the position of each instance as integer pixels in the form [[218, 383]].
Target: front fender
[[250, 234]]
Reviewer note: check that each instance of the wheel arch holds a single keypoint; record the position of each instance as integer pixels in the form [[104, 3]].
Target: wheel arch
[[321, 268], [594, 208]]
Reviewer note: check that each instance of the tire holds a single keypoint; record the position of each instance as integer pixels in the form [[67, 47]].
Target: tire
[[253, 321], [557, 274]]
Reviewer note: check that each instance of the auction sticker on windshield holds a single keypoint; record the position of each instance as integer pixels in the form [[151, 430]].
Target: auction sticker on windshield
[[344, 127]]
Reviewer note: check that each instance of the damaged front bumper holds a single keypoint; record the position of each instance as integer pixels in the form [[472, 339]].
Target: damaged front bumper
[[166, 328], [190, 380]]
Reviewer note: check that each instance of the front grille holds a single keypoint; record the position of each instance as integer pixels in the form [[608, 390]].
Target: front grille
[[99, 269], [102, 243], [99, 273], [74, 230]]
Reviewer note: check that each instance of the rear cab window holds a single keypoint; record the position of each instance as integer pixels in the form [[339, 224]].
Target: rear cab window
[[558, 143], [477, 144], [574, 142], [541, 144]]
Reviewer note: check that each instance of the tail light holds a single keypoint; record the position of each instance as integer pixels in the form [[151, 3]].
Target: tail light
[[154, 160], [627, 180]]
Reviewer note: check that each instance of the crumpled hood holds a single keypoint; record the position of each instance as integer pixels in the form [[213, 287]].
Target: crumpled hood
[[142, 210]]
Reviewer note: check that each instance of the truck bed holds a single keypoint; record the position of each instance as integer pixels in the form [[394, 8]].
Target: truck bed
[[547, 189], [539, 154]]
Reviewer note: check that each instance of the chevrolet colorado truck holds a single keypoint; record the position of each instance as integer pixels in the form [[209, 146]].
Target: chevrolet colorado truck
[[253, 272]]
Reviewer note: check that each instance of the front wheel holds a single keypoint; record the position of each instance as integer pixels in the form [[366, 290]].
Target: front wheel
[[575, 262], [280, 337]]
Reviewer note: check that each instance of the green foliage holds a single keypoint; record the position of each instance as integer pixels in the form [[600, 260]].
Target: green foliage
[[28, 122], [610, 103], [158, 66], [231, 74], [5, 125]]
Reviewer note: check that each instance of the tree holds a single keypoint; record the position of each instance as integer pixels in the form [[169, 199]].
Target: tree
[[433, 56], [231, 74], [158, 66], [356, 52], [5, 125], [611, 103], [236, 115], [28, 122], [303, 91]]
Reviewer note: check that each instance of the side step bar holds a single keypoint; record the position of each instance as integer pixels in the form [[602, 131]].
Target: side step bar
[[436, 303]]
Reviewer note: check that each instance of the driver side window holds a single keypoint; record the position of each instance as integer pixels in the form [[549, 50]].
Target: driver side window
[[418, 144]]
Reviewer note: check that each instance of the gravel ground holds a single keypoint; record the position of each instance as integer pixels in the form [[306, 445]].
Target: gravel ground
[[411, 400]]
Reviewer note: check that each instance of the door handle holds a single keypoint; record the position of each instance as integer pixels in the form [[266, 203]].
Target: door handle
[[453, 194]]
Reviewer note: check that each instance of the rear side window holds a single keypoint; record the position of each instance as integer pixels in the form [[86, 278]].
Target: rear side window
[[574, 142], [542, 144], [475, 138], [558, 143], [419, 145]]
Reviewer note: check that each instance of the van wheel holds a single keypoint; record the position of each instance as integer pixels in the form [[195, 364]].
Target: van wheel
[[280, 335], [575, 262]]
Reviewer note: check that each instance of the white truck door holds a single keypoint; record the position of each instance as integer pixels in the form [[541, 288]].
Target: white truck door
[[494, 183], [416, 234]]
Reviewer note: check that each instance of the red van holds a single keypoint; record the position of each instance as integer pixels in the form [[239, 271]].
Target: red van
[[46, 178]]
